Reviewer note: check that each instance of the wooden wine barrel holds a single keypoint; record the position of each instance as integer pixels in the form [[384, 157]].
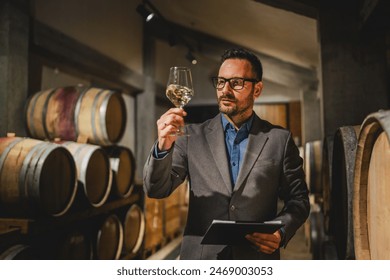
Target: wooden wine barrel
[[326, 179], [36, 177], [109, 239], [122, 163], [94, 171], [371, 218], [134, 229], [75, 246], [313, 161], [18, 252], [343, 164], [100, 115], [70, 112]]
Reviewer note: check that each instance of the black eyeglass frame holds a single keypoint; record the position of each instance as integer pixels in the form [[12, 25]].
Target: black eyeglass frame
[[214, 81]]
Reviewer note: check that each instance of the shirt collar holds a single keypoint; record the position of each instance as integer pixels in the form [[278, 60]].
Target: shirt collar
[[245, 126]]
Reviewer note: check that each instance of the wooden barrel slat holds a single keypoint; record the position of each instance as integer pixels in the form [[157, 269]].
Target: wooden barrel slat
[[343, 164], [35, 114], [371, 213], [101, 116], [59, 115], [36, 177]]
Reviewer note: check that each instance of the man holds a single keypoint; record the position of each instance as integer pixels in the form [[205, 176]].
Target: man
[[237, 166]]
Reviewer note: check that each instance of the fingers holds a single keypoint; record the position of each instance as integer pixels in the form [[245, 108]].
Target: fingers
[[266, 243], [170, 118], [167, 125]]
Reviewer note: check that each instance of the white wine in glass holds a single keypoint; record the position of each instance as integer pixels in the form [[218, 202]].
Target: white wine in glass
[[180, 90]]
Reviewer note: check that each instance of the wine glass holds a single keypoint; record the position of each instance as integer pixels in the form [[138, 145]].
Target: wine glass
[[179, 90]]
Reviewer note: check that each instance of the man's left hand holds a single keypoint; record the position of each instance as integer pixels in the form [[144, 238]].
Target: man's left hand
[[265, 242]]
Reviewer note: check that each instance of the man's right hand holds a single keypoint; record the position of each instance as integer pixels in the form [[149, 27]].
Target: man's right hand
[[167, 125]]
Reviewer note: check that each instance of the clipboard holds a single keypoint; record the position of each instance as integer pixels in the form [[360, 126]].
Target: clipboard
[[223, 232]]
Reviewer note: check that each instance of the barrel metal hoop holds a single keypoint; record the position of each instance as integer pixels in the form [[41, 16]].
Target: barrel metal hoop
[[35, 192], [93, 115], [102, 112], [13, 251], [30, 124], [26, 183], [7, 150]]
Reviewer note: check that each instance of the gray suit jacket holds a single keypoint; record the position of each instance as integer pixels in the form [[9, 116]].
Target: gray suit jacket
[[271, 170]]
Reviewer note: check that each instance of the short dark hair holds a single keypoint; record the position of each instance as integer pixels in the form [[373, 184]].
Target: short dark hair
[[247, 55]]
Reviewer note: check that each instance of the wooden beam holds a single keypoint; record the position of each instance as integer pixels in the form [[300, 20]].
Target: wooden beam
[[374, 15], [367, 8], [307, 8], [55, 49], [275, 70]]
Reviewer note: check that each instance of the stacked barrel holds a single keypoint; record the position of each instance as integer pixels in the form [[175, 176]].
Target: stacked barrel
[[371, 218], [72, 163], [355, 189], [35, 177]]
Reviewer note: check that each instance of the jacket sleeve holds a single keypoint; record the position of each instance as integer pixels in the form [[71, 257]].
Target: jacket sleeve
[[161, 176], [293, 192]]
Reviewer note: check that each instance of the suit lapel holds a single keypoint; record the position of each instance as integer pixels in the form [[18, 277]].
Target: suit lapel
[[256, 142], [216, 140]]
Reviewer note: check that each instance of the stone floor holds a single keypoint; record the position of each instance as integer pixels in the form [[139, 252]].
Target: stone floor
[[297, 249]]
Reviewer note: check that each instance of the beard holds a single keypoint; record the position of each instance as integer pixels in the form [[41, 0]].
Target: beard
[[235, 107]]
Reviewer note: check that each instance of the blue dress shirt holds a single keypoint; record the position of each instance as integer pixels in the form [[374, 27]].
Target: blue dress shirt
[[236, 143]]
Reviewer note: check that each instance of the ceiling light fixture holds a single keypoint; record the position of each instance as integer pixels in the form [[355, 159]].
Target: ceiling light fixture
[[191, 58], [145, 13], [149, 12]]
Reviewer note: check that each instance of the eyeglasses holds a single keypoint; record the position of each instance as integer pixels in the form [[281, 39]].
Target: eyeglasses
[[235, 83]]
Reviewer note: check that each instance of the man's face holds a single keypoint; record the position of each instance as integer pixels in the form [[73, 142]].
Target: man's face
[[237, 102]]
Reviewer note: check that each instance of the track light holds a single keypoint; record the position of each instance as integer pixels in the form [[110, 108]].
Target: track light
[[191, 58], [145, 13], [149, 12]]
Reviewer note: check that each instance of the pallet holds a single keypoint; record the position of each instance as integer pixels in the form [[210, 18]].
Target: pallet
[[150, 251]]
